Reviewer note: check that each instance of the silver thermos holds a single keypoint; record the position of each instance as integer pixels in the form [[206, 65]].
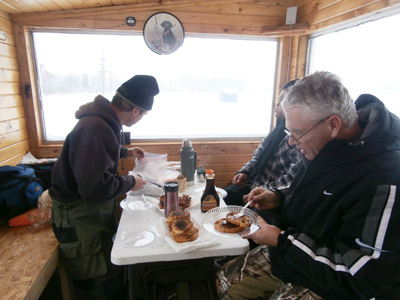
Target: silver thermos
[[171, 200], [188, 161]]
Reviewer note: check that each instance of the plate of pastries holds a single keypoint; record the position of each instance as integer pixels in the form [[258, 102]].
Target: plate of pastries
[[183, 233], [222, 221], [181, 227]]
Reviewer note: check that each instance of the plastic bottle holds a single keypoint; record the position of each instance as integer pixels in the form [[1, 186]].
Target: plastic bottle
[[210, 198]]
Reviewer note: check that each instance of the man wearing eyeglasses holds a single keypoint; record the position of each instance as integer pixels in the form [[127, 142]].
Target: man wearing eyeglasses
[[340, 221]]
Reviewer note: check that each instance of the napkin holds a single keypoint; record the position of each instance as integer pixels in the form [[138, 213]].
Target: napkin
[[204, 238]]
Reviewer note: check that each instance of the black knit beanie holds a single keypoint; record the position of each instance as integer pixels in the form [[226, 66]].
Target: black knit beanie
[[140, 91]]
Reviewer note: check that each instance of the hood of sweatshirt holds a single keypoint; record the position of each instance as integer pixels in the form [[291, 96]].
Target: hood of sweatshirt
[[100, 107]]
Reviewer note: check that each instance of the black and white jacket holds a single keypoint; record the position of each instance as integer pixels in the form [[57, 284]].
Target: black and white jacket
[[341, 216], [274, 163]]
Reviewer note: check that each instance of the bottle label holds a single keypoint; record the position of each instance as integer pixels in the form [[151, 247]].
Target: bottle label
[[208, 203]]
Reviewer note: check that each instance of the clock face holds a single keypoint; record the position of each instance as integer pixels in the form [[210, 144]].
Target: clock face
[[163, 33], [3, 35]]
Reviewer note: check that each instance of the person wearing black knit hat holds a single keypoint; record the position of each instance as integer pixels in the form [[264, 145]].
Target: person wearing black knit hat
[[86, 184], [139, 91]]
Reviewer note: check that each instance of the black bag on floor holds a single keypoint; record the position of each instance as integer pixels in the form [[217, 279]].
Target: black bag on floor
[[43, 171], [177, 283], [19, 190]]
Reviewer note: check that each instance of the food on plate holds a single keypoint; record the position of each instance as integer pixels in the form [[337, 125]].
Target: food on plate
[[184, 201], [181, 228], [243, 221], [232, 225], [178, 215], [222, 225]]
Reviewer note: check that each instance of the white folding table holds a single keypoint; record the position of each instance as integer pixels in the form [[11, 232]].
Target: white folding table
[[162, 251]]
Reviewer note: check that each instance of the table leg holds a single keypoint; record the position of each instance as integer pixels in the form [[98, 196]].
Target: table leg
[[67, 285], [131, 282]]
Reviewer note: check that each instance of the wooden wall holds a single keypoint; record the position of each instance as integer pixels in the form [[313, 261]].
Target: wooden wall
[[225, 158], [327, 13], [262, 18], [14, 142]]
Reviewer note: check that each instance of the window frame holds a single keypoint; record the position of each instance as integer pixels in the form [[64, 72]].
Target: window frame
[[29, 91], [343, 26], [157, 139], [356, 89]]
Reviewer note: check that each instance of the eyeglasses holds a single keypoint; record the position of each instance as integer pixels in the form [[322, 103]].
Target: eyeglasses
[[305, 132]]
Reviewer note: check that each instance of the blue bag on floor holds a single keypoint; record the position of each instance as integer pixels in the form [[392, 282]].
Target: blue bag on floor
[[19, 190]]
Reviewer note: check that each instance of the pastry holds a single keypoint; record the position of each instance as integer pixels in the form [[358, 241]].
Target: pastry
[[181, 228], [230, 225], [189, 237], [177, 215], [243, 221], [222, 225]]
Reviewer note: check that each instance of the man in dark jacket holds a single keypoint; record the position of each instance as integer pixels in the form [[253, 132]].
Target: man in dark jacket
[[340, 221], [273, 164], [85, 184]]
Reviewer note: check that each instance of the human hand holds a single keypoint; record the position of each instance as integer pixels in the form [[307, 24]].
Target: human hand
[[262, 198], [266, 235], [240, 179], [135, 152], [139, 184]]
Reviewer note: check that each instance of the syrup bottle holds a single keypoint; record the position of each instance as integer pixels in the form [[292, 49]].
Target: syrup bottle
[[210, 198]]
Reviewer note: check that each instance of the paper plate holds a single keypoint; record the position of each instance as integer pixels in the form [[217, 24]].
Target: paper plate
[[134, 204], [204, 239], [137, 236], [209, 218]]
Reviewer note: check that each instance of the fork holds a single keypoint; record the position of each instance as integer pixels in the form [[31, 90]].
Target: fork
[[241, 213], [145, 201]]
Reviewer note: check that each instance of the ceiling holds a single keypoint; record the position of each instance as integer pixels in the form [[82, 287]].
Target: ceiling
[[35, 6]]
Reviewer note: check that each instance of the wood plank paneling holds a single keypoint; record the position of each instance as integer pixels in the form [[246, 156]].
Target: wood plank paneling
[[14, 140], [15, 149], [10, 113], [9, 75], [12, 125], [10, 101], [193, 22], [225, 158], [323, 14], [7, 50], [8, 63], [13, 160]]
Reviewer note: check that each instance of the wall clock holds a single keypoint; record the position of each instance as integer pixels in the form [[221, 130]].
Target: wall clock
[[163, 33]]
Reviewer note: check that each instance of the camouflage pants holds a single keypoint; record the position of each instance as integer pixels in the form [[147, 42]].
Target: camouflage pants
[[249, 277]]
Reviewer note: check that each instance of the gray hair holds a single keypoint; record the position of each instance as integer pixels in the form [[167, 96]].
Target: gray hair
[[321, 94]]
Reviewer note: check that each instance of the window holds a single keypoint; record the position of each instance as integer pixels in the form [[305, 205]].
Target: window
[[211, 87], [366, 57]]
